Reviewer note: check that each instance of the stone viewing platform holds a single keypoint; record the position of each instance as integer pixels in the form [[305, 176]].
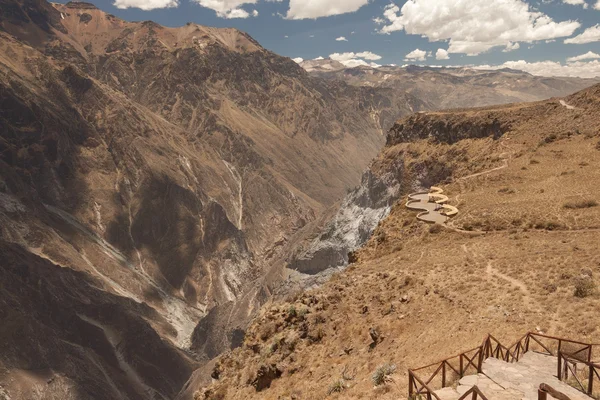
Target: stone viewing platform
[[535, 367]]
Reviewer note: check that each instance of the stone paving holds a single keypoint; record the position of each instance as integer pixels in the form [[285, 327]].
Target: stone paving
[[513, 381]]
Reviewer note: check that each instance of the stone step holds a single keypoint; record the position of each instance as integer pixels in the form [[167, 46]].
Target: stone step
[[513, 381]]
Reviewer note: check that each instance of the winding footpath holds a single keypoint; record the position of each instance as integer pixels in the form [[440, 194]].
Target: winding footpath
[[432, 204]]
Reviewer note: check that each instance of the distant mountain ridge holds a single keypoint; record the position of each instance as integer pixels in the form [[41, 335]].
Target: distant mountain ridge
[[452, 87]]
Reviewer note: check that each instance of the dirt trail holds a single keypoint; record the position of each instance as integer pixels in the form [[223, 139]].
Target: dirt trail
[[530, 303]]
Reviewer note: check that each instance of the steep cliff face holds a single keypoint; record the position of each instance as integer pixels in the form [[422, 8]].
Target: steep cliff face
[[392, 175], [169, 167]]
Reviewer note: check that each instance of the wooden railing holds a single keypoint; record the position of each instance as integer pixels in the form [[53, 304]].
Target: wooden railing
[[475, 394], [568, 367], [445, 370], [448, 371], [545, 390]]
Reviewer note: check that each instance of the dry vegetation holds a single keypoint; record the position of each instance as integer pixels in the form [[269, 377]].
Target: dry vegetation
[[522, 255]]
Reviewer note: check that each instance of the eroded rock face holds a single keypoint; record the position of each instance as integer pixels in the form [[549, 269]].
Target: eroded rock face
[[391, 177], [166, 169], [447, 130], [353, 224]]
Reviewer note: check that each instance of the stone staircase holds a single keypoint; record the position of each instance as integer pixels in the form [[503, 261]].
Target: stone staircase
[[501, 380]]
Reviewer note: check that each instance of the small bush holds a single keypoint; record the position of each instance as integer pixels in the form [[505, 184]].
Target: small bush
[[580, 204], [584, 286], [292, 312], [549, 226], [435, 228], [549, 139], [382, 374], [550, 287], [337, 387], [506, 190]]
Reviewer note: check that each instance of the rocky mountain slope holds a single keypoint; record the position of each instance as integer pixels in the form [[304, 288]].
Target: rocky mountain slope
[[452, 87], [353, 223], [520, 256], [150, 180]]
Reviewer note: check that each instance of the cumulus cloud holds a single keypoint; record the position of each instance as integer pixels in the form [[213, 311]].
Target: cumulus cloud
[[416, 55], [597, 5], [303, 9], [341, 39], [352, 60], [319, 58], [441, 54], [367, 55], [587, 56], [511, 47], [145, 5], [475, 26], [588, 36], [581, 69], [298, 59], [576, 3], [226, 8]]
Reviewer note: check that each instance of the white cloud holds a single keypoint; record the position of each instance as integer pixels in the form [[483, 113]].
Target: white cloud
[[341, 39], [352, 60], [226, 8], [311, 9], [588, 36], [254, 13], [236, 13], [597, 5], [441, 54], [475, 26], [576, 3], [145, 5], [416, 55], [581, 69], [298, 59], [587, 56], [511, 46], [318, 58], [367, 55]]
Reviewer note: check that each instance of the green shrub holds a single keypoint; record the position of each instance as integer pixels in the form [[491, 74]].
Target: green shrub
[[382, 374], [584, 287], [337, 387]]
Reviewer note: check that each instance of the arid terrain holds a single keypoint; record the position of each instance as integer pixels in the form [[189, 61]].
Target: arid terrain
[[522, 255], [159, 185]]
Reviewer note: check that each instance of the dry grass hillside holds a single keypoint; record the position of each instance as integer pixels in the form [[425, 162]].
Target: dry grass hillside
[[522, 255]]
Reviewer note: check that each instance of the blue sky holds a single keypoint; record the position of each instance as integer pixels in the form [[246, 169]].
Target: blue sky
[[530, 33]]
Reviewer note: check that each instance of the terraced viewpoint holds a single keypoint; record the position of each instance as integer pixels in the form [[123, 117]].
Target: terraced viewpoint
[[433, 206]]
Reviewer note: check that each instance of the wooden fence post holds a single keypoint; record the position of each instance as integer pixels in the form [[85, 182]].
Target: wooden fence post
[[591, 381], [444, 374]]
